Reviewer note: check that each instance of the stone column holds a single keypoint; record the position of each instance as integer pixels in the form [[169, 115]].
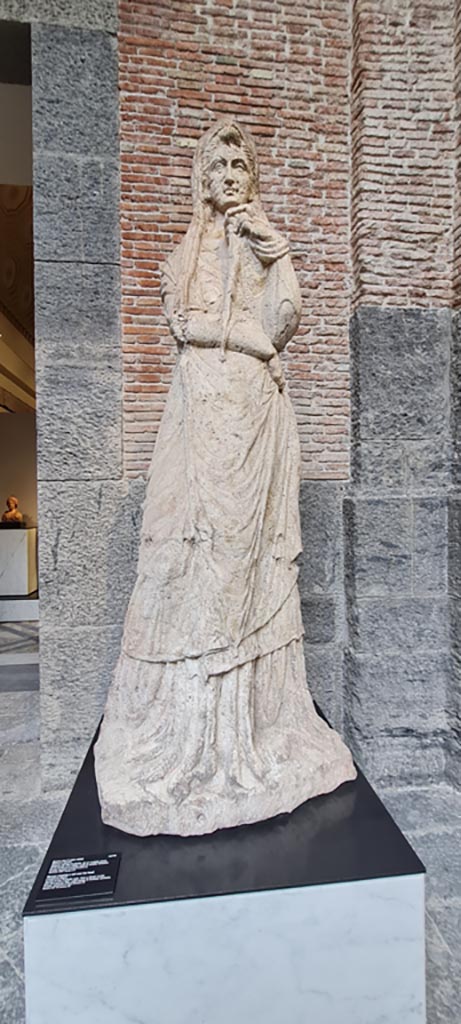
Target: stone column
[[87, 551], [397, 676], [453, 760], [87, 520], [398, 662]]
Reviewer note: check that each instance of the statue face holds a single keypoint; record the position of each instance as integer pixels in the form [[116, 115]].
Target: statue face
[[11, 503], [229, 178]]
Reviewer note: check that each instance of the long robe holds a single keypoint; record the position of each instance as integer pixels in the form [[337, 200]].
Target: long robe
[[209, 722]]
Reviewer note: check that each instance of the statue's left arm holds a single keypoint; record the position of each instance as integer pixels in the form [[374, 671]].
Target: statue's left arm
[[282, 305], [282, 297]]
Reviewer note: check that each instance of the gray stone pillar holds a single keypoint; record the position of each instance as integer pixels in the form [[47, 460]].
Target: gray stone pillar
[[87, 521], [396, 526], [453, 760]]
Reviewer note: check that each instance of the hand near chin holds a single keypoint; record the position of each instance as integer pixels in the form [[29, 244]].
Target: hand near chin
[[244, 220]]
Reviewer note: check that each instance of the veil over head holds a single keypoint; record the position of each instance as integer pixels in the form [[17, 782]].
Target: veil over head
[[225, 130]]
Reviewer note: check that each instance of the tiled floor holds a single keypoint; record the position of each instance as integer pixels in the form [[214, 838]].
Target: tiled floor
[[18, 665], [431, 818], [18, 638], [27, 822]]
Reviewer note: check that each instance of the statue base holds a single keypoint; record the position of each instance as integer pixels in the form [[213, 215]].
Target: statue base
[[316, 916], [18, 560]]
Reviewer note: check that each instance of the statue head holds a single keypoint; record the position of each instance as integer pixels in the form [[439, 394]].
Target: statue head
[[224, 174], [225, 168], [12, 515]]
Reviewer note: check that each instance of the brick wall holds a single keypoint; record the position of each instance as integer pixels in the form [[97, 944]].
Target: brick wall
[[283, 69], [402, 152]]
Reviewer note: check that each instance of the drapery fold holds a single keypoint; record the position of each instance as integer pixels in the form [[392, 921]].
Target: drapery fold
[[221, 525], [209, 721]]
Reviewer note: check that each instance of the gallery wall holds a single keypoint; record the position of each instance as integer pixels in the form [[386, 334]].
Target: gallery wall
[[18, 469], [16, 134]]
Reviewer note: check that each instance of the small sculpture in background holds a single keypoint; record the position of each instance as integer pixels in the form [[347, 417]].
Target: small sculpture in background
[[12, 514]]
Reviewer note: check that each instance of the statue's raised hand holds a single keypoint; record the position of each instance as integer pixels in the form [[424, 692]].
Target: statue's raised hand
[[247, 221]]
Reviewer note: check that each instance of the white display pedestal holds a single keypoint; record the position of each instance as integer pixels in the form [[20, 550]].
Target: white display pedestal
[[247, 926], [18, 562], [333, 954]]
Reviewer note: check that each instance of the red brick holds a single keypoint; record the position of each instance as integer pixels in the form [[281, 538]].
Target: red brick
[[179, 70]]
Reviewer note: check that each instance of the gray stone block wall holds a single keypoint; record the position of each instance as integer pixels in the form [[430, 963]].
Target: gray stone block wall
[[101, 14], [88, 515], [321, 583], [456, 398], [454, 696], [78, 367], [398, 668], [454, 563]]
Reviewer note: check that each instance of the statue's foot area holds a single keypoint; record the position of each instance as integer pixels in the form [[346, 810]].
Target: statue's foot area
[[183, 755], [204, 814]]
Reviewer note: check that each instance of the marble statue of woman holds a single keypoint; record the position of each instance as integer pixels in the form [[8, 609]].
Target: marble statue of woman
[[209, 722]]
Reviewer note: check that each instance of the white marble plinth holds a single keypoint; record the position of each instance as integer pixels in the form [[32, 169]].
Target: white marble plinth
[[19, 609], [347, 953], [18, 562]]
